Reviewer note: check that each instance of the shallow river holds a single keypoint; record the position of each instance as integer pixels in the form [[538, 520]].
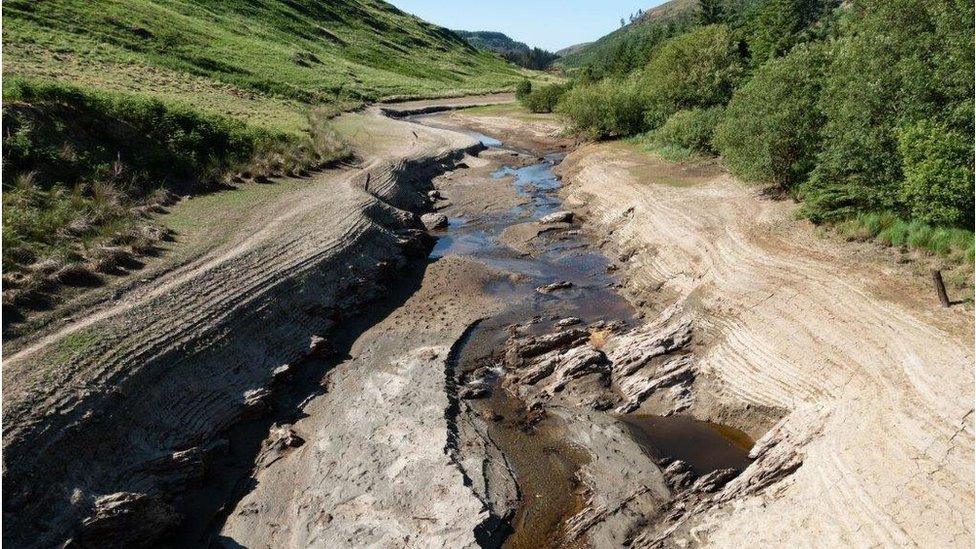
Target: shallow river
[[544, 464]]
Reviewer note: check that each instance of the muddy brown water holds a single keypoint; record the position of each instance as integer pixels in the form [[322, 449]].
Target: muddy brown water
[[544, 464], [703, 445]]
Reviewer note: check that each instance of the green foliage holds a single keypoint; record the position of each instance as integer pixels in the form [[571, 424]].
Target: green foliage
[[710, 11], [899, 63], [69, 135], [243, 58], [888, 228], [771, 130], [773, 27], [628, 48], [523, 89], [697, 69], [689, 129], [544, 98], [80, 163], [609, 108], [513, 51], [937, 164]]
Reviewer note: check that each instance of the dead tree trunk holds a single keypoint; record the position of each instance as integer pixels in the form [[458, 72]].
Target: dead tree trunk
[[940, 287]]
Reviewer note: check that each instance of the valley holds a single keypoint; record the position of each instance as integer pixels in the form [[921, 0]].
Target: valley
[[521, 377]]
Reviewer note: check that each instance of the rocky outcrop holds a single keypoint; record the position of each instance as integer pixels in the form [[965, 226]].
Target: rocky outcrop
[[434, 221], [557, 217]]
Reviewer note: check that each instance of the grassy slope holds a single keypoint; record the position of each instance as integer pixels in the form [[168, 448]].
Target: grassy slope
[[105, 99], [263, 61]]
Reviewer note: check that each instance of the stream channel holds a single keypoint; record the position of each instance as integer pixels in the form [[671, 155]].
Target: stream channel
[[543, 462]]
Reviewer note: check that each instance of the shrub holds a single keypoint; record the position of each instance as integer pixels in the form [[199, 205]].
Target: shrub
[[697, 69], [771, 130], [899, 63], [690, 129], [609, 108], [937, 165], [544, 98], [523, 89]]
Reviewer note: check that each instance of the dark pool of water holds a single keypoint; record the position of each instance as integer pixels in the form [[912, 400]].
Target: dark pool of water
[[704, 446]]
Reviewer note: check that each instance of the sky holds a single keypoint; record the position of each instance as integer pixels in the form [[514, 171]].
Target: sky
[[548, 24]]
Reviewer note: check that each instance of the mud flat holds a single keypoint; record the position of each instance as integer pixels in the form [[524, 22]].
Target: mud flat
[[639, 354]]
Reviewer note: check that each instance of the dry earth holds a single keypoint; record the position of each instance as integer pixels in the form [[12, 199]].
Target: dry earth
[[109, 415], [875, 380], [858, 387]]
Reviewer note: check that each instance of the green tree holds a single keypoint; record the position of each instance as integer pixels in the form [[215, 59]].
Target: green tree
[[710, 11], [771, 129], [523, 89], [938, 184], [773, 27], [899, 63], [697, 69]]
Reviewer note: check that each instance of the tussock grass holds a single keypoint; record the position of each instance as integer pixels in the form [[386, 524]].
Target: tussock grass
[[953, 244]]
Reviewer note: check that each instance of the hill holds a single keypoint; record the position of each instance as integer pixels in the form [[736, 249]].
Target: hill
[[654, 21], [260, 60], [569, 50], [112, 107], [516, 52]]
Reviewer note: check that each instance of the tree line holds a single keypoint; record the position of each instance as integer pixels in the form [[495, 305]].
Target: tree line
[[862, 110]]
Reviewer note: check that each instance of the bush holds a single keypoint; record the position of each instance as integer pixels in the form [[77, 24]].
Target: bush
[[609, 108], [771, 130], [82, 165], [938, 183], [697, 69], [545, 98], [523, 89], [899, 63], [690, 129]]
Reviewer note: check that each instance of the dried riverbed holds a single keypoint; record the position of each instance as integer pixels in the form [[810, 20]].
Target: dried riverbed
[[536, 438]]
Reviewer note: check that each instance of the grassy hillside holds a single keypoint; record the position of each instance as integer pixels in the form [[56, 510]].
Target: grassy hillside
[[260, 60], [113, 106]]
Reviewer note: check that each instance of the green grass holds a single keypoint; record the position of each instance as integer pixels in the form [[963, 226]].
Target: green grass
[[263, 58], [956, 245], [110, 106]]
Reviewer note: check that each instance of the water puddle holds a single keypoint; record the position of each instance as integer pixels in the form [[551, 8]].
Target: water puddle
[[704, 446]]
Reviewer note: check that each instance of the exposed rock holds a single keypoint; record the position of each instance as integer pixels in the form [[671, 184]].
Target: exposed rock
[[518, 350], [281, 438], [557, 217], [434, 221], [255, 402], [177, 468], [126, 519], [434, 195], [713, 481], [549, 288], [636, 349], [474, 390], [280, 372], [320, 347], [569, 321]]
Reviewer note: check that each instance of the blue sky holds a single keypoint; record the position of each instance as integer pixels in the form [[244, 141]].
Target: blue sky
[[549, 24]]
